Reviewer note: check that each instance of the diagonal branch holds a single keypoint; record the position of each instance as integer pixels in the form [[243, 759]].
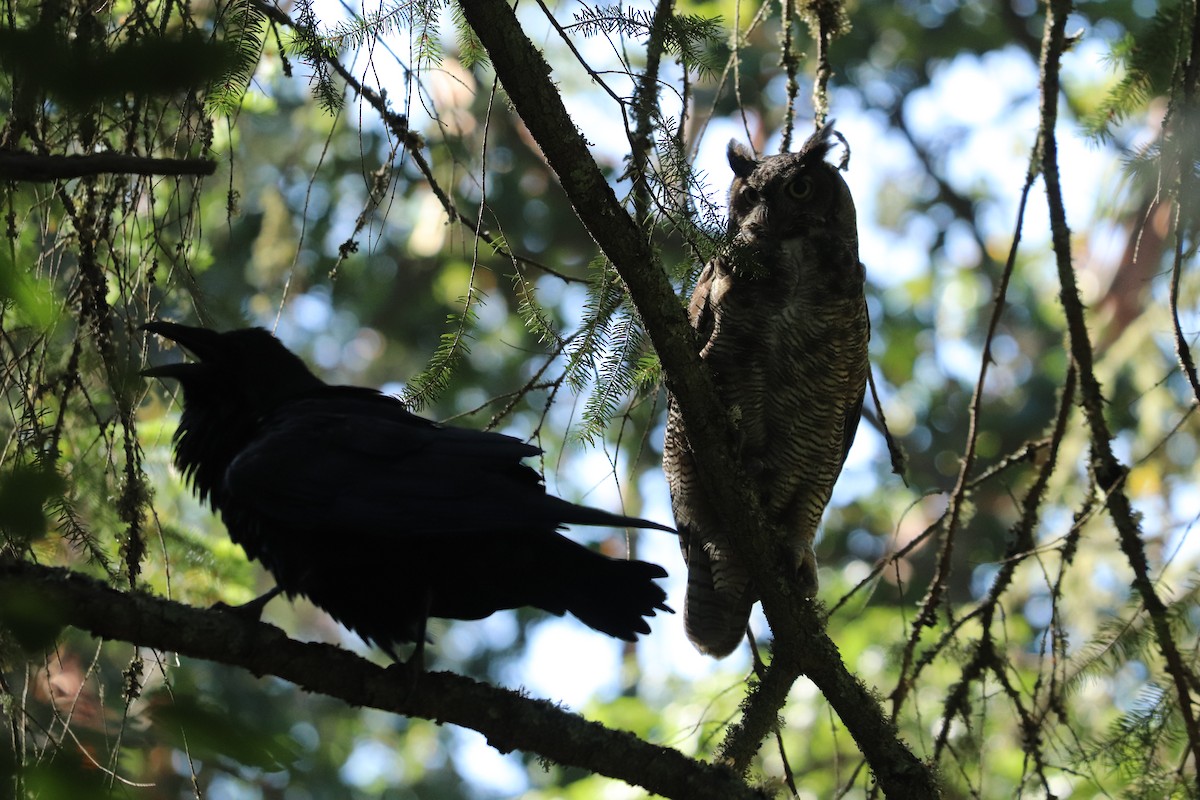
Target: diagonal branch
[[509, 720], [801, 645], [927, 617]]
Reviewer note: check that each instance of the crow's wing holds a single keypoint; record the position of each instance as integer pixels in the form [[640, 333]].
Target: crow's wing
[[368, 465]]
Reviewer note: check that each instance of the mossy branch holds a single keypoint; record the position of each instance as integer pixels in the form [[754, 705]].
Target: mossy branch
[[37, 597]]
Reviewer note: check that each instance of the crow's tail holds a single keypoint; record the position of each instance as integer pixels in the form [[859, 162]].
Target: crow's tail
[[572, 514], [611, 595]]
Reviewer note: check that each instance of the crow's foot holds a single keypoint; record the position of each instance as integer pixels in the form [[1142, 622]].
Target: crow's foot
[[253, 609]]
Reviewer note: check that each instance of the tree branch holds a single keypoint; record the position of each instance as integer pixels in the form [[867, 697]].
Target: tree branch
[[509, 720], [34, 168], [800, 640], [645, 105], [927, 617], [1108, 471], [760, 714]]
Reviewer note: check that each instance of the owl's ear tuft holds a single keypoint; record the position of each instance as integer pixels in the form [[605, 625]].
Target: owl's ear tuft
[[822, 142], [741, 160]]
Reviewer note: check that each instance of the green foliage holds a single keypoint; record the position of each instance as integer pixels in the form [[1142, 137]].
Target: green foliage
[[80, 73], [617, 375], [26, 300], [31, 623], [1148, 60], [453, 346], [315, 50], [534, 317], [25, 491], [423, 22], [1138, 743], [686, 36], [61, 779], [606, 352], [209, 732], [470, 49], [649, 371], [420, 17], [245, 30], [685, 200]]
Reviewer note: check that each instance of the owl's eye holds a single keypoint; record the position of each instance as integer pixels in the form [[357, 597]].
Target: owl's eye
[[750, 196], [801, 188]]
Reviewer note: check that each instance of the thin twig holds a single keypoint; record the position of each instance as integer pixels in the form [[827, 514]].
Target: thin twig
[[895, 451], [927, 616], [1021, 544], [398, 125], [645, 104], [790, 61]]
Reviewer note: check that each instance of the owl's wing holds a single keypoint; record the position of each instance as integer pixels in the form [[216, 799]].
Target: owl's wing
[[718, 603], [854, 411], [853, 417], [701, 309]]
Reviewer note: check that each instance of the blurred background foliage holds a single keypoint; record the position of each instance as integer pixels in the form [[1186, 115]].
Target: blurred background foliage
[[321, 224]]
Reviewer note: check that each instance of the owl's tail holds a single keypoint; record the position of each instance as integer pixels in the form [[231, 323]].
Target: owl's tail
[[719, 598]]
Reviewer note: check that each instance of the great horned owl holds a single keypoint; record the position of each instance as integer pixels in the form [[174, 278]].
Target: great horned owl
[[782, 323]]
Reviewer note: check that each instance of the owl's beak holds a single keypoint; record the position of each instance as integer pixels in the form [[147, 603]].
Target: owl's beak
[[755, 227]]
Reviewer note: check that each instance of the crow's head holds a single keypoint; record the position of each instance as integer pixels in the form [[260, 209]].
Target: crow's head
[[235, 379], [249, 368]]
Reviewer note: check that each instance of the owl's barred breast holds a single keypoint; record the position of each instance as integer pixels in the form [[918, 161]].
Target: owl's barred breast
[[791, 368]]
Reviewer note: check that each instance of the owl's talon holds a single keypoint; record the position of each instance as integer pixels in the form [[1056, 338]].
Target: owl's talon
[[806, 578]]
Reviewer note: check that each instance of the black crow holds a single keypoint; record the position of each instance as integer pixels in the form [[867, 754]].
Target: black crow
[[376, 515]]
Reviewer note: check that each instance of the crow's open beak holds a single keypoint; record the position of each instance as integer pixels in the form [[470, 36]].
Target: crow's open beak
[[200, 342]]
